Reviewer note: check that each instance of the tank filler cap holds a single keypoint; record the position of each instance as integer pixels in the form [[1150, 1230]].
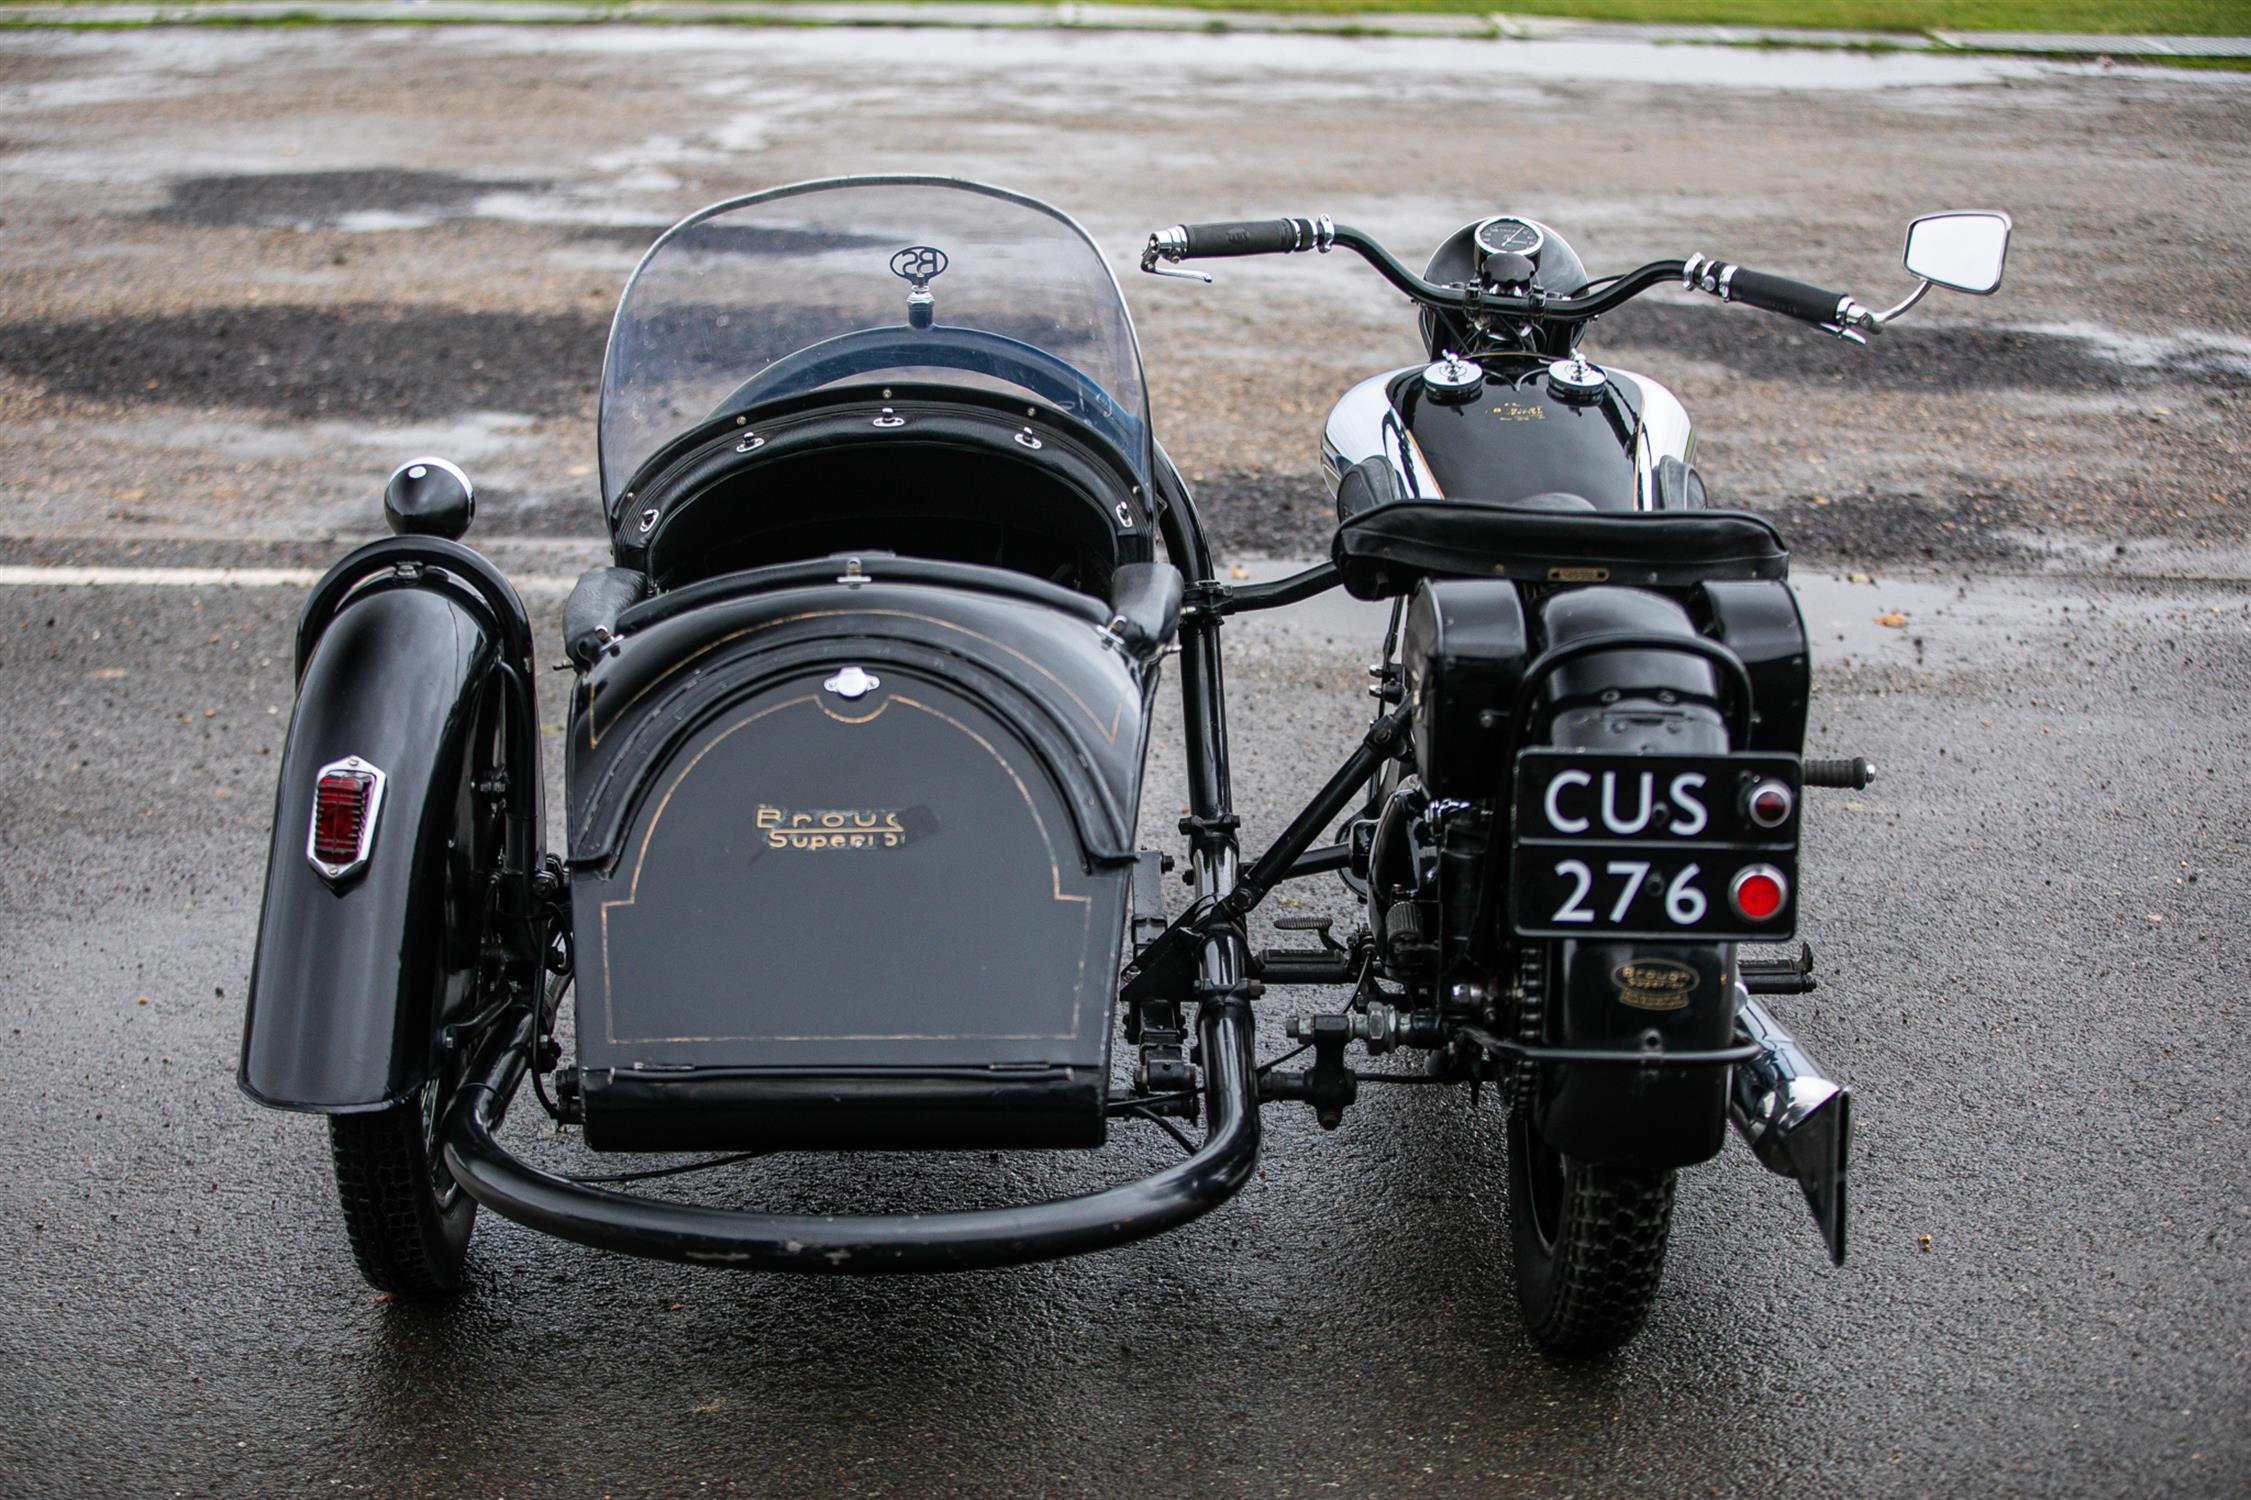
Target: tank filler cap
[[1451, 378], [1574, 379]]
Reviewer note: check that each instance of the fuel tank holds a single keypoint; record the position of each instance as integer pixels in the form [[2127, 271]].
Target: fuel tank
[[1514, 436]]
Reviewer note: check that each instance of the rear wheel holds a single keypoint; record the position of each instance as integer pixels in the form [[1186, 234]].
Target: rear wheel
[[1590, 1243], [407, 1218]]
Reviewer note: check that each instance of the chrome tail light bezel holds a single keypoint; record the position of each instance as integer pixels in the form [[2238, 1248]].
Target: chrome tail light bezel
[[371, 776]]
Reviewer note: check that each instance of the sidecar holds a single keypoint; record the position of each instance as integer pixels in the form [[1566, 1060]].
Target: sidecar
[[858, 718]]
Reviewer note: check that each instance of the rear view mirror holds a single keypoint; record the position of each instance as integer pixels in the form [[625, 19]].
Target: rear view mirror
[[1964, 251]]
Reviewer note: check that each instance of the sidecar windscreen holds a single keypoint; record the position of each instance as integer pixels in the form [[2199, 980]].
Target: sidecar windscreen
[[868, 279]]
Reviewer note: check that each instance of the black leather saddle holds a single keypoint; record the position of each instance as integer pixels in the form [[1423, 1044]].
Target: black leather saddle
[[1385, 550]]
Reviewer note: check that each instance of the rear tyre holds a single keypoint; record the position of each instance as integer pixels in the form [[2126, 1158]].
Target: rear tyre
[[1590, 1243], [407, 1218]]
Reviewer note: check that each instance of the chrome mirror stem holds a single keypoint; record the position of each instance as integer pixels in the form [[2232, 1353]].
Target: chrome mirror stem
[[1912, 298]]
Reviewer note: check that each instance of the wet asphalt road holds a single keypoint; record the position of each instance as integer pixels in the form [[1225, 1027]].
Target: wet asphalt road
[[2031, 930]]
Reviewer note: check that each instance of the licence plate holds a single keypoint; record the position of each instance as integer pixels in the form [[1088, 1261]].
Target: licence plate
[[1652, 846]]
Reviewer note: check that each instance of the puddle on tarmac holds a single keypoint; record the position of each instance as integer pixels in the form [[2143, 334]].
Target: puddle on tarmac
[[1944, 622], [366, 200], [369, 360], [2072, 358]]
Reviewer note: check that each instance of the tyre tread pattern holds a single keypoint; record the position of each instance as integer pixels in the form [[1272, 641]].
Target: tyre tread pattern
[[1608, 1260], [402, 1241]]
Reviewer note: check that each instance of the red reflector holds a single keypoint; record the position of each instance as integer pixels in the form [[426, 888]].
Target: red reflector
[[1759, 893], [340, 817]]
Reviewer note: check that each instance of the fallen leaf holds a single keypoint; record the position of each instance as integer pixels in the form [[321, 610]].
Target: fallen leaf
[[1924, 1241], [1895, 621]]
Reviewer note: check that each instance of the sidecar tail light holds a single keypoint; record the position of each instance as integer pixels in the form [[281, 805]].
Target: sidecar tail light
[[1759, 892], [347, 798]]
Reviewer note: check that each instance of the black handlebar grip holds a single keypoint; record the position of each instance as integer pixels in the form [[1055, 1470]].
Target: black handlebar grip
[[1260, 237], [1780, 294]]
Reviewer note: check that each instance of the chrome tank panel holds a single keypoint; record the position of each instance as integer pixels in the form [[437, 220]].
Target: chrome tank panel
[[1665, 432], [1364, 424]]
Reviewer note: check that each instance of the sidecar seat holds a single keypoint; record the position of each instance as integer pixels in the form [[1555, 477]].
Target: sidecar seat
[[964, 477]]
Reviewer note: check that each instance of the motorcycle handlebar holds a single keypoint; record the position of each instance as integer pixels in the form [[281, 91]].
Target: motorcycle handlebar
[[1287, 236], [1771, 293], [1254, 237], [1834, 311]]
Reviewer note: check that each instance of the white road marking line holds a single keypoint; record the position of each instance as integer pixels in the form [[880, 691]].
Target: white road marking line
[[209, 578]]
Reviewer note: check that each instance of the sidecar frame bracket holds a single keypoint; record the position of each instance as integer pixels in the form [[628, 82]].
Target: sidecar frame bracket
[[863, 1244]]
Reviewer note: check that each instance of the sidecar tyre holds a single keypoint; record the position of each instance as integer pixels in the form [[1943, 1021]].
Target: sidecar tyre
[[1590, 1243], [407, 1219]]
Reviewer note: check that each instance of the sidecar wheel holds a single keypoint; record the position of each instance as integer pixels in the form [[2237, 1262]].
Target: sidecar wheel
[[1590, 1243], [407, 1218]]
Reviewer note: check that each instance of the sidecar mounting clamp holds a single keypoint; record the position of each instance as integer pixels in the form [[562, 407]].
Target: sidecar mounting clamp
[[1328, 1085]]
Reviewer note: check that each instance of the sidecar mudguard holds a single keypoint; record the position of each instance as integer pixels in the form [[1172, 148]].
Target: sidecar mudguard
[[395, 651]]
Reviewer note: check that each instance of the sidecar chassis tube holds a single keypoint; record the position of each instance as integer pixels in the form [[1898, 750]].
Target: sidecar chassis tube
[[865, 1244]]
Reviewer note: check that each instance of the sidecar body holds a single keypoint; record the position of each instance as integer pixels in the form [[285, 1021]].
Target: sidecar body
[[857, 725]]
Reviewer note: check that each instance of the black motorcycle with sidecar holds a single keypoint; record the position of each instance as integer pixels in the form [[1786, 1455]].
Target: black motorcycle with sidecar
[[859, 712]]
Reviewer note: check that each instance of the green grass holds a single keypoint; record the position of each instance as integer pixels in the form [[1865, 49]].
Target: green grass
[[2141, 17], [2145, 17]]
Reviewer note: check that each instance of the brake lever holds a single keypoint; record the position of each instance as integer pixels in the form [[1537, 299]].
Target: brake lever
[[1169, 245]]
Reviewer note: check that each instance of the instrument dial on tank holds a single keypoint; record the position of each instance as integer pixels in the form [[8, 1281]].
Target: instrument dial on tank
[[1513, 236]]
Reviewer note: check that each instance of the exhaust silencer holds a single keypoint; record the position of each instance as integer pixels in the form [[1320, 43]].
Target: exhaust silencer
[[1797, 1121]]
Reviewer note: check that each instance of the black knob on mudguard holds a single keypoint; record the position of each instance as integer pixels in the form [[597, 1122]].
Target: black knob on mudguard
[[429, 497]]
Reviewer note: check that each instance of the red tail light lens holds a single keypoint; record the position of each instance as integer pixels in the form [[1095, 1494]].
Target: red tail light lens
[[340, 816], [347, 797], [1759, 893], [1769, 804]]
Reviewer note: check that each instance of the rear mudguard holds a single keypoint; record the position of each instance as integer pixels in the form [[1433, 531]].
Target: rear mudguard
[[1612, 995], [397, 651]]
